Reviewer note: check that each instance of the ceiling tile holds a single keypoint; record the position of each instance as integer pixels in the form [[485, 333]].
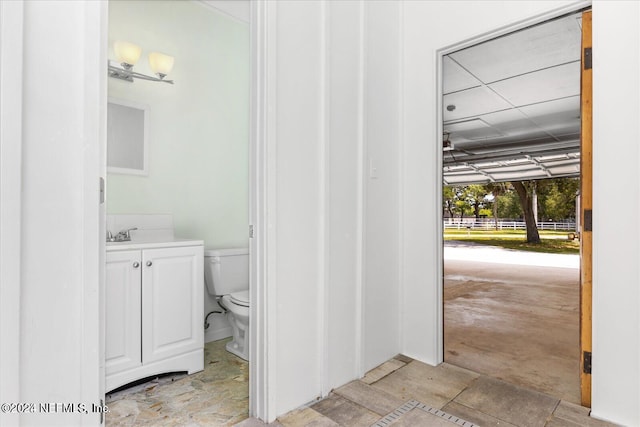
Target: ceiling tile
[[544, 85], [542, 46], [558, 117], [472, 102], [510, 122], [471, 130], [457, 77], [524, 140], [555, 111]]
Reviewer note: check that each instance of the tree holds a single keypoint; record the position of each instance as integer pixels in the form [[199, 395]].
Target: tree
[[448, 200], [509, 203], [496, 189], [476, 196], [461, 206], [557, 198], [524, 191]]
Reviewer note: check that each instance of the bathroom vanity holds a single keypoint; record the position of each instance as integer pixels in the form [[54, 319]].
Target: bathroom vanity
[[153, 309]]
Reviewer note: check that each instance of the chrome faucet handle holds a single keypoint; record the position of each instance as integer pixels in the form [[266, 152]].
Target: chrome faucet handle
[[127, 233], [124, 235]]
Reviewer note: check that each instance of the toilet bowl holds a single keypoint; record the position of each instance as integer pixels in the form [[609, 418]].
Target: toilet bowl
[[226, 275], [237, 304]]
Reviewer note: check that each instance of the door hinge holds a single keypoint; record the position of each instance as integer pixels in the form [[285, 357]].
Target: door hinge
[[251, 231], [101, 412], [586, 362], [101, 190], [588, 220], [587, 58]]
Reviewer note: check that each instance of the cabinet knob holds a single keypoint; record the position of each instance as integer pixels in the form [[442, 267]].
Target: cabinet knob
[[149, 263], [136, 264]]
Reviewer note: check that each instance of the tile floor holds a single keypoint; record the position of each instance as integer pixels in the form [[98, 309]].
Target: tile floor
[[217, 396], [405, 392], [400, 392]]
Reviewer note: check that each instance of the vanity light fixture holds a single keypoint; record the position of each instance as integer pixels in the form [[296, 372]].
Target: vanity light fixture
[[127, 54]]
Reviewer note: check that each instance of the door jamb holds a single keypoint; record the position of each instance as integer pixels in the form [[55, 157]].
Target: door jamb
[[262, 323], [586, 204], [11, 51]]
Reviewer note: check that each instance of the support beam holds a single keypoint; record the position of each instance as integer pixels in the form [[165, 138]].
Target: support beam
[[540, 165]]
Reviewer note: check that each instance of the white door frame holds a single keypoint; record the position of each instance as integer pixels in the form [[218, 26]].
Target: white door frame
[[11, 47], [262, 319], [261, 189]]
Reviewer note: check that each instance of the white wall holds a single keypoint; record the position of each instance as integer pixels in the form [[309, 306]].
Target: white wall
[[199, 127], [616, 271], [331, 111], [344, 192], [11, 35], [61, 241], [237, 9], [299, 201], [429, 26], [383, 146]]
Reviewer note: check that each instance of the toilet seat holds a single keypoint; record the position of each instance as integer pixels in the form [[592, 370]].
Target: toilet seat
[[240, 298]]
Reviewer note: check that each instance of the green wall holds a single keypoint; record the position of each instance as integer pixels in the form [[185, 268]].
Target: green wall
[[198, 127]]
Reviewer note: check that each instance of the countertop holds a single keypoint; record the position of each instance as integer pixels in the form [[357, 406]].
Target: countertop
[[150, 243]]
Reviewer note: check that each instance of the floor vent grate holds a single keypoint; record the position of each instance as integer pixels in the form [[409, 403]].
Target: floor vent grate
[[414, 404]]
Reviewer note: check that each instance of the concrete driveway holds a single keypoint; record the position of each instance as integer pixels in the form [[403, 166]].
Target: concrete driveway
[[513, 315]]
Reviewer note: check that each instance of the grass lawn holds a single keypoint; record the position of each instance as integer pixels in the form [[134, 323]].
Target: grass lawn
[[515, 239]]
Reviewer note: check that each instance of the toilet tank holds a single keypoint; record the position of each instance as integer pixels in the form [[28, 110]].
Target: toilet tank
[[226, 270]]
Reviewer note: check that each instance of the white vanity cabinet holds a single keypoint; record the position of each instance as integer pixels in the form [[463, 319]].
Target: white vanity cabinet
[[123, 314], [153, 310]]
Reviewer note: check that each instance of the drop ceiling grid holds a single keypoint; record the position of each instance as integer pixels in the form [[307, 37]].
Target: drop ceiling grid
[[535, 48], [521, 92], [541, 86]]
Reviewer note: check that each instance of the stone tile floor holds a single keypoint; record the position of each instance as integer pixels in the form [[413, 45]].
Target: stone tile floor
[[217, 396], [400, 392], [406, 392]]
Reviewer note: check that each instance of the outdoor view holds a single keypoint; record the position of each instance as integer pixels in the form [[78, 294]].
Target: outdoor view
[[537, 216], [511, 157]]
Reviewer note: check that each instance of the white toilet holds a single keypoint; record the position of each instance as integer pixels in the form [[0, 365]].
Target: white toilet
[[226, 273]]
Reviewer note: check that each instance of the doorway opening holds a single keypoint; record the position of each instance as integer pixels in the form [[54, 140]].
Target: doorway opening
[[184, 203], [512, 154]]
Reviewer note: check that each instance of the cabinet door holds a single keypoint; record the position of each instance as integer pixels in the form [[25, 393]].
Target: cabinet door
[[172, 302], [122, 311]]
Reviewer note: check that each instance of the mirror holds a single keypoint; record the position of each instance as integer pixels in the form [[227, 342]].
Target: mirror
[[127, 137]]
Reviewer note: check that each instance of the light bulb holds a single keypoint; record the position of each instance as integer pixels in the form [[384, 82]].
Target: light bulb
[[127, 53], [160, 63]]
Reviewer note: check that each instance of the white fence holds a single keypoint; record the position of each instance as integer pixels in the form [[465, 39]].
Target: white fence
[[503, 224]]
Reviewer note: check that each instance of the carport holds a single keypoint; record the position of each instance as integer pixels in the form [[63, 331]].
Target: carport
[[511, 106], [514, 110]]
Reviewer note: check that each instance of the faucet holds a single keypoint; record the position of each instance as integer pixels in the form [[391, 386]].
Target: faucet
[[124, 235]]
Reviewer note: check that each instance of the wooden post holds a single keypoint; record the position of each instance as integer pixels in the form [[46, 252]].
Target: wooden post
[[586, 199]]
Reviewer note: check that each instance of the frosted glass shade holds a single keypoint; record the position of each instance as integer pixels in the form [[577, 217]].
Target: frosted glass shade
[[126, 52], [160, 63]]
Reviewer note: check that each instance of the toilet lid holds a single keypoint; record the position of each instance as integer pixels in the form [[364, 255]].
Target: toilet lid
[[240, 298]]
